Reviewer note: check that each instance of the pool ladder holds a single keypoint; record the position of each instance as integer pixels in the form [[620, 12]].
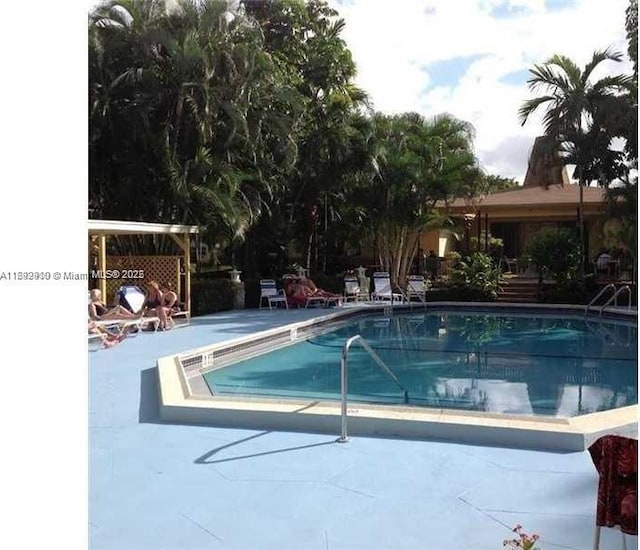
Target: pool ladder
[[613, 298], [343, 378]]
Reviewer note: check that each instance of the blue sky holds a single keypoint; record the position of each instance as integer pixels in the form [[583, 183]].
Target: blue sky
[[471, 58]]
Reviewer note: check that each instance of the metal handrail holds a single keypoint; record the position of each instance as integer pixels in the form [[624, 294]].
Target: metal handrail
[[610, 285], [343, 378], [615, 297]]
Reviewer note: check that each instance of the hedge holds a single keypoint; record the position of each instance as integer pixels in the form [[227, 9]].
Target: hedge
[[209, 296]]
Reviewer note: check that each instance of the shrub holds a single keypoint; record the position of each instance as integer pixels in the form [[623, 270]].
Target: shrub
[[209, 296], [476, 277], [556, 250]]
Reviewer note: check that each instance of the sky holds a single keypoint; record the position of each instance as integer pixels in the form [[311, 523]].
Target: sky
[[471, 58]]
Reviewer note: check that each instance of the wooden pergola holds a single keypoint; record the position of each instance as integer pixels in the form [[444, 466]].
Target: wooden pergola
[[100, 230]]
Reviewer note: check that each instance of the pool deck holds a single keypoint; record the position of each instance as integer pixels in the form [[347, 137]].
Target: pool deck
[[160, 486]]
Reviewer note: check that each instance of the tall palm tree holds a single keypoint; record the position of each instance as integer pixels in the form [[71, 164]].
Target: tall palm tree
[[576, 114]]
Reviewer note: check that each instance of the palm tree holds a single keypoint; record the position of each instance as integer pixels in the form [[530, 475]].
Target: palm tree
[[419, 163], [576, 116]]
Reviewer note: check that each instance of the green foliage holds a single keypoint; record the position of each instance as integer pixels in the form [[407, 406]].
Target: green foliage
[[209, 296], [188, 109], [419, 162], [557, 251], [631, 26], [477, 273]]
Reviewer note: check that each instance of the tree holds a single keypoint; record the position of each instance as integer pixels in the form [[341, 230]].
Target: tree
[[420, 162], [189, 119], [576, 117], [305, 39], [555, 250]]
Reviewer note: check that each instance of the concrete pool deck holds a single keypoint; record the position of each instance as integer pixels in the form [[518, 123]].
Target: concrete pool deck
[[157, 485]]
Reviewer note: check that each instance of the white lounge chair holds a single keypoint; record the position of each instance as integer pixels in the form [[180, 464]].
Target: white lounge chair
[[383, 289], [416, 288], [352, 290], [119, 326], [270, 294]]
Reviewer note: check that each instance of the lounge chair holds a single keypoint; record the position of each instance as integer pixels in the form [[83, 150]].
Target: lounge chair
[[120, 326], [352, 290], [416, 288], [383, 289], [270, 294]]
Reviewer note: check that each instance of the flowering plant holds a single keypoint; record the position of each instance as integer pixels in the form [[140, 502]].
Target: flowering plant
[[524, 541]]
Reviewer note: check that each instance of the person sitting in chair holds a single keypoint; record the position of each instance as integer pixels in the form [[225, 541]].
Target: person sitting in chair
[[99, 310], [170, 298], [154, 305]]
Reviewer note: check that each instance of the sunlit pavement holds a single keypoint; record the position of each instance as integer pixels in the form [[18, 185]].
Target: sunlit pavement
[[160, 486]]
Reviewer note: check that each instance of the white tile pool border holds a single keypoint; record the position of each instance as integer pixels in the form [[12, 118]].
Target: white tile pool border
[[178, 402]]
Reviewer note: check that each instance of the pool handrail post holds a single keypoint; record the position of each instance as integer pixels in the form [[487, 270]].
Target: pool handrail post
[[343, 385], [343, 379]]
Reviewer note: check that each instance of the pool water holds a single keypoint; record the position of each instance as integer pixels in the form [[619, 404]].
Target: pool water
[[527, 365]]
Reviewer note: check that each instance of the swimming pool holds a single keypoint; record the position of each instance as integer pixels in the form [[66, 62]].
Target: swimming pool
[[511, 364], [480, 357]]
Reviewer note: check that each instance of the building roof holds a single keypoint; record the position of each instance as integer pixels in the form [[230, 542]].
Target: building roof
[[113, 227], [534, 195]]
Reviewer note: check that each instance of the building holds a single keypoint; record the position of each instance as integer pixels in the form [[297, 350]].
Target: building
[[546, 199]]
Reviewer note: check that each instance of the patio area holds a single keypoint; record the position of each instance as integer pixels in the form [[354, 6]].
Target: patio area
[[155, 485]]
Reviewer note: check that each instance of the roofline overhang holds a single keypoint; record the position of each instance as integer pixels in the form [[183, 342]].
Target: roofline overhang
[[115, 227]]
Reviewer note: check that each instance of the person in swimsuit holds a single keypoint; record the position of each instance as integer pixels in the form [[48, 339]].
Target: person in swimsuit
[[169, 297], [154, 305], [99, 310]]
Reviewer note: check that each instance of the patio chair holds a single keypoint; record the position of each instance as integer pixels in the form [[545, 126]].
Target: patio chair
[[383, 289], [352, 290], [270, 294], [512, 265], [416, 288], [616, 460]]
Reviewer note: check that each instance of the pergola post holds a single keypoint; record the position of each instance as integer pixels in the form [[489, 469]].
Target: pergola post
[[187, 270], [102, 265], [185, 245]]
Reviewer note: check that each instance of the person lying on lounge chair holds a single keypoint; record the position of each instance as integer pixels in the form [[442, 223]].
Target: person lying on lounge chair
[[98, 309], [108, 339], [300, 290], [297, 293], [315, 291]]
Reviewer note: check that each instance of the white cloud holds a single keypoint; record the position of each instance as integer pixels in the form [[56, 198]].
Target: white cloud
[[393, 43]]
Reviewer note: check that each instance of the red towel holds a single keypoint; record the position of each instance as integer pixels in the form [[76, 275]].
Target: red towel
[[616, 460]]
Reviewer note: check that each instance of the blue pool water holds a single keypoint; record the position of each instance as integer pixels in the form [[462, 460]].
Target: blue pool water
[[547, 366]]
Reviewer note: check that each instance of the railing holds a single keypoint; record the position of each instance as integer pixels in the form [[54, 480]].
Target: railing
[[614, 298], [343, 378], [597, 296]]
